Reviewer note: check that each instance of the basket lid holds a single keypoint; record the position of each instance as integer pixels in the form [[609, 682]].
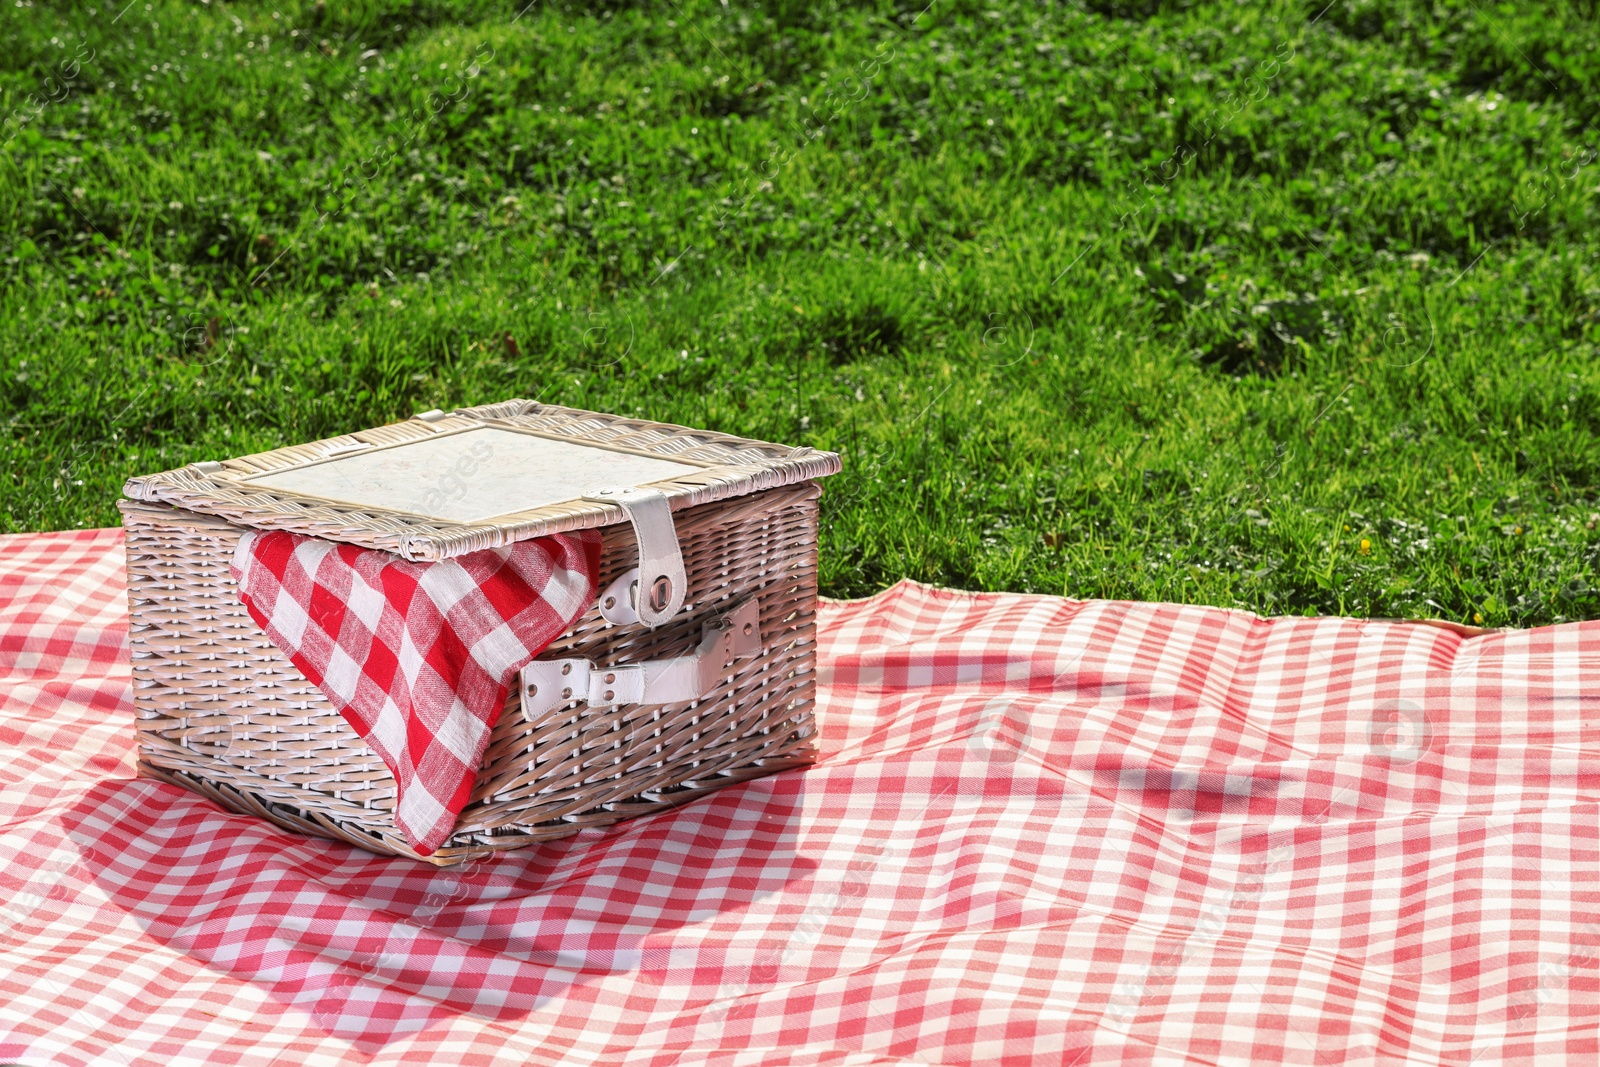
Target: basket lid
[[439, 485]]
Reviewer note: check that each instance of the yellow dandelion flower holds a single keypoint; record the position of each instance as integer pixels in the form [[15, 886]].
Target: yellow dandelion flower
[[1366, 546]]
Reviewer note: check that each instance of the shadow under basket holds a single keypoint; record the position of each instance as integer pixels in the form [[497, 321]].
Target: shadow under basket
[[222, 711]]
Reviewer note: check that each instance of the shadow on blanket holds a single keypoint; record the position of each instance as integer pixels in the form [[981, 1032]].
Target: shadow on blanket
[[360, 942]]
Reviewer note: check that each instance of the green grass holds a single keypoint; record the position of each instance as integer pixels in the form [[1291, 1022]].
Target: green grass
[[1219, 303]]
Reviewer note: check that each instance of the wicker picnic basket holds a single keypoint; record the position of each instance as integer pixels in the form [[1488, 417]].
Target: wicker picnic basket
[[693, 670]]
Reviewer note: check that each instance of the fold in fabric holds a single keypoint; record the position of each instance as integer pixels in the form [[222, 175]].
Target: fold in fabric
[[417, 657]]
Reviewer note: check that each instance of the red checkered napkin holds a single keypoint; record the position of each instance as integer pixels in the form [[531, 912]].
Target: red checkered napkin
[[417, 656]]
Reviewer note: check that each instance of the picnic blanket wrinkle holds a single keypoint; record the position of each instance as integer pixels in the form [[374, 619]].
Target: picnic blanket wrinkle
[[417, 657], [1040, 831]]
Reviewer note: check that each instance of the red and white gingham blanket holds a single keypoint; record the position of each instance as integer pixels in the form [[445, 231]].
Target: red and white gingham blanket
[[417, 657], [1043, 831]]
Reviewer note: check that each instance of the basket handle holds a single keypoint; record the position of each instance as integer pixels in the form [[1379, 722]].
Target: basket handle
[[725, 638]]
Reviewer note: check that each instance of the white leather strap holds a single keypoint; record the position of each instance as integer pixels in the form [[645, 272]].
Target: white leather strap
[[662, 583], [619, 601], [725, 638]]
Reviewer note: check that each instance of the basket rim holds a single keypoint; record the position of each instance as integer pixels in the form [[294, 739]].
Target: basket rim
[[729, 466]]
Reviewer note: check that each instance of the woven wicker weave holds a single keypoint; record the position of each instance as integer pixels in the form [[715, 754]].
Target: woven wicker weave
[[223, 712], [733, 466]]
